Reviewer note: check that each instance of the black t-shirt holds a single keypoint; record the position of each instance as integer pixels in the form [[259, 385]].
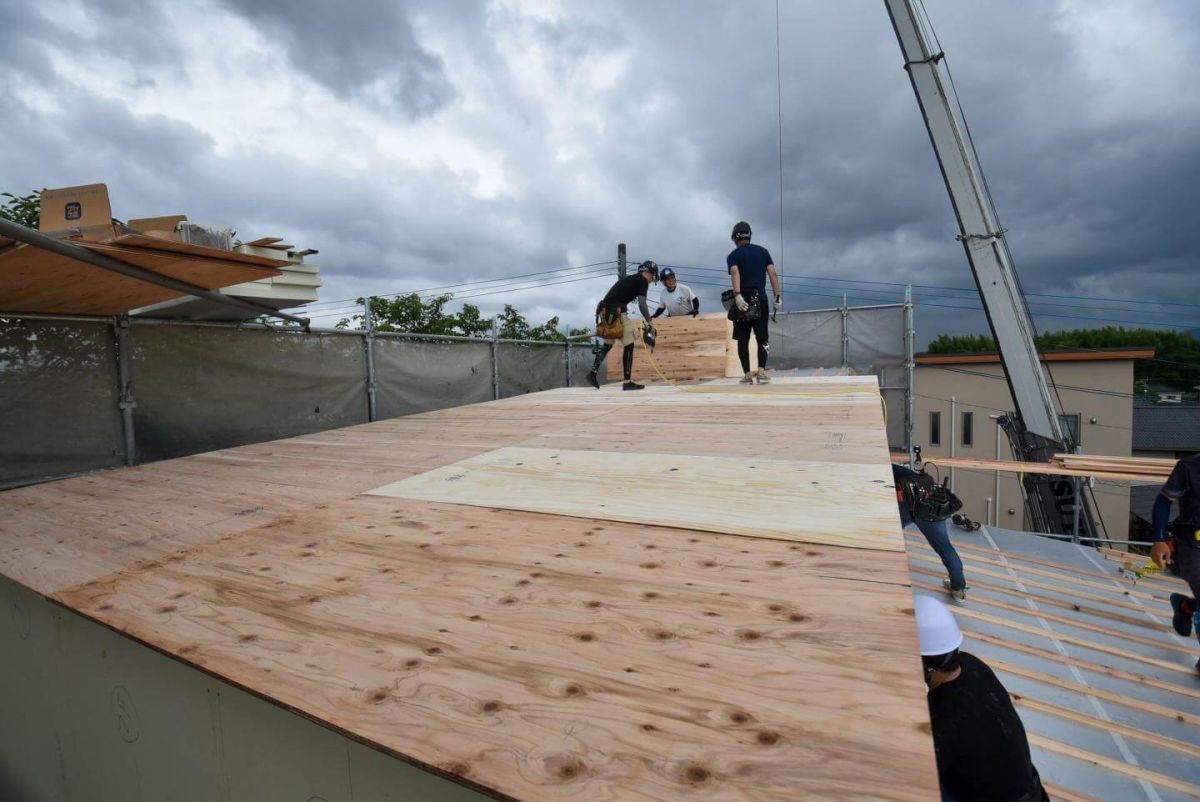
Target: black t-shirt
[[751, 261], [982, 751], [1183, 487], [625, 290]]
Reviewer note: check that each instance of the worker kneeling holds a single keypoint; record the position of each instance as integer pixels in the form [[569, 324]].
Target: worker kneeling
[[982, 751]]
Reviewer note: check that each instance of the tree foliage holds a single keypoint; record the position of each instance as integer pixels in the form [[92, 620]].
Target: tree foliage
[[24, 210], [411, 314], [1176, 359]]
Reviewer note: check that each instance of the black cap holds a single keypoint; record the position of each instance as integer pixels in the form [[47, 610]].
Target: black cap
[[741, 231]]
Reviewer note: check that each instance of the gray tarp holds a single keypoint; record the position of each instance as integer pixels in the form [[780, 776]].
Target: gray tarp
[[416, 376], [58, 399], [530, 368], [203, 388]]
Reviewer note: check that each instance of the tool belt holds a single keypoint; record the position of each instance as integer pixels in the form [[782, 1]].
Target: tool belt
[[753, 310], [926, 500], [608, 323], [1187, 531]]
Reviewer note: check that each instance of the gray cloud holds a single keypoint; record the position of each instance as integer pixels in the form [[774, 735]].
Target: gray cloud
[[1093, 180], [367, 49]]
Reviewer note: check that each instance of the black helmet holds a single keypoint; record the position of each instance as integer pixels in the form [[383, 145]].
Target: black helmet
[[650, 266], [741, 231], [666, 274]]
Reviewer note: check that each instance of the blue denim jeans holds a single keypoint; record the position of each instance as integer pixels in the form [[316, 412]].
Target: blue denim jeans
[[939, 540]]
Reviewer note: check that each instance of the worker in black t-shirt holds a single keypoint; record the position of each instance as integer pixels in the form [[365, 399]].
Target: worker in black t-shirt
[[749, 268], [1182, 487], [611, 313], [982, 752]]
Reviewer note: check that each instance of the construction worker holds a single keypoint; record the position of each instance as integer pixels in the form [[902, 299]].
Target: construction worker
[[676, 299], [934, 532], [1182, 487], [981, 748], [749, 268], [613, 323]]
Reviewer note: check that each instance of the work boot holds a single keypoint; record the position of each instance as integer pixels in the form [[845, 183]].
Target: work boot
[[747, 379], [1182, 619], [629, 385], [959, 594], [762, 376], [593, 379]]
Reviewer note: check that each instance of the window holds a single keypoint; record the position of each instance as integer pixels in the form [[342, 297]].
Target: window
[[935, 428], [968, 429], [1070, 429]]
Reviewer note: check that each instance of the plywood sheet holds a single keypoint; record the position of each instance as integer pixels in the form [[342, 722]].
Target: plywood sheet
[[38, 281], [548, 657], [688, 348], [801, 501]]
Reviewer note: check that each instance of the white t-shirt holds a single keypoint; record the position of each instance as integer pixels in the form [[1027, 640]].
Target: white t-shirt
[[678, 302]]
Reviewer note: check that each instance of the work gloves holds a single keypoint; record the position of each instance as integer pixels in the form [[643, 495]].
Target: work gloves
[[740, 303], [778, 302]]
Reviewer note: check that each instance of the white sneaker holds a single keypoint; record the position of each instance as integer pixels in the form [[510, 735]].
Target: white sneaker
[[957, 595], [747, 379], [762, 376]]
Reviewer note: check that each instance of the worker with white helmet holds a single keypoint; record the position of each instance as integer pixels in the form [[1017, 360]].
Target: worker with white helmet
[[982, 751]]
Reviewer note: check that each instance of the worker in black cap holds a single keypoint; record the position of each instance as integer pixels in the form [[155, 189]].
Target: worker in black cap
[[749, 268], [613, 323]]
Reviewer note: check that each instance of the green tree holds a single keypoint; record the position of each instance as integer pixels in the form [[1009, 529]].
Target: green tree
[[1176, 360], [408, 313], [513, 326], [24, 210]]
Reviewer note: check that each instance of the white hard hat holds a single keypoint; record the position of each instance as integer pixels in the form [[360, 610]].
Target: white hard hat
[[937, 631]]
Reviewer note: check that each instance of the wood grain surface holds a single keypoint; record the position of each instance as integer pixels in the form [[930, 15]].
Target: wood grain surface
[[688, 348], [792, 500], [530, 655]]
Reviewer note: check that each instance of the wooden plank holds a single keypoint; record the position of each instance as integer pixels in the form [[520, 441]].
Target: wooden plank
[[1119, 766], [152, 244], [785, 500], [1059, 793], [1107, 725], [551, 656], [1087, 665]]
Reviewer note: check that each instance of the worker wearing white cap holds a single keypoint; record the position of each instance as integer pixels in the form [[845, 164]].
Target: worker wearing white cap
[[982, 751]]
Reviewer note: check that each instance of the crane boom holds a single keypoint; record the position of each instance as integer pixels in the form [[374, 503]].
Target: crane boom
[[1034, 430]]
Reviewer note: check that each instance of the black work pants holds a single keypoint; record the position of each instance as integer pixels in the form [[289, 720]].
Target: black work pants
[[741, 333]]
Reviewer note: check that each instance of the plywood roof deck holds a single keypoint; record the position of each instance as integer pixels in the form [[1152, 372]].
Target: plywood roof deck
[[532, 655]]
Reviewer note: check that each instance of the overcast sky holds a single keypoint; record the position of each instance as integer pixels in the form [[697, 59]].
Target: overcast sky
[[427, 143]]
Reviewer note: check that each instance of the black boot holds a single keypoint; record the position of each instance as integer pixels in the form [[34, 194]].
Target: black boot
[[627, 364], [593, 377]]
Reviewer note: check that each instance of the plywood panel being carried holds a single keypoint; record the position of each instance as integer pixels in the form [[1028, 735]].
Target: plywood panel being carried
[[800, 501], [688, 348]]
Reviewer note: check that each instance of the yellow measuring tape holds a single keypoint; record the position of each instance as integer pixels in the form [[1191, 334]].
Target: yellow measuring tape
[[668, 380]]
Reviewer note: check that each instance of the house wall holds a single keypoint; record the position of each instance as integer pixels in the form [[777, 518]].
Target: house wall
[[92, 716], [986, 395]]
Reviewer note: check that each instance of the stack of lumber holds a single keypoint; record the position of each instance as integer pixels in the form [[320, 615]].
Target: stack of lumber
[[688, 349], [1151, 469], [1127, 469]]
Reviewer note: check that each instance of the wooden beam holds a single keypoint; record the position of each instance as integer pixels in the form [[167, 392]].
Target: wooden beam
[[1072, 639], [1077, 624], [1066, 605], [931, 558], [1125, 730], [1060, 794], [1087, 665], [1112, 764], [1099, 693]]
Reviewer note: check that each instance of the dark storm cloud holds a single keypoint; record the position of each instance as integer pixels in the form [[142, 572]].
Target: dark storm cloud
[[365, 48], [1093, 178]]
